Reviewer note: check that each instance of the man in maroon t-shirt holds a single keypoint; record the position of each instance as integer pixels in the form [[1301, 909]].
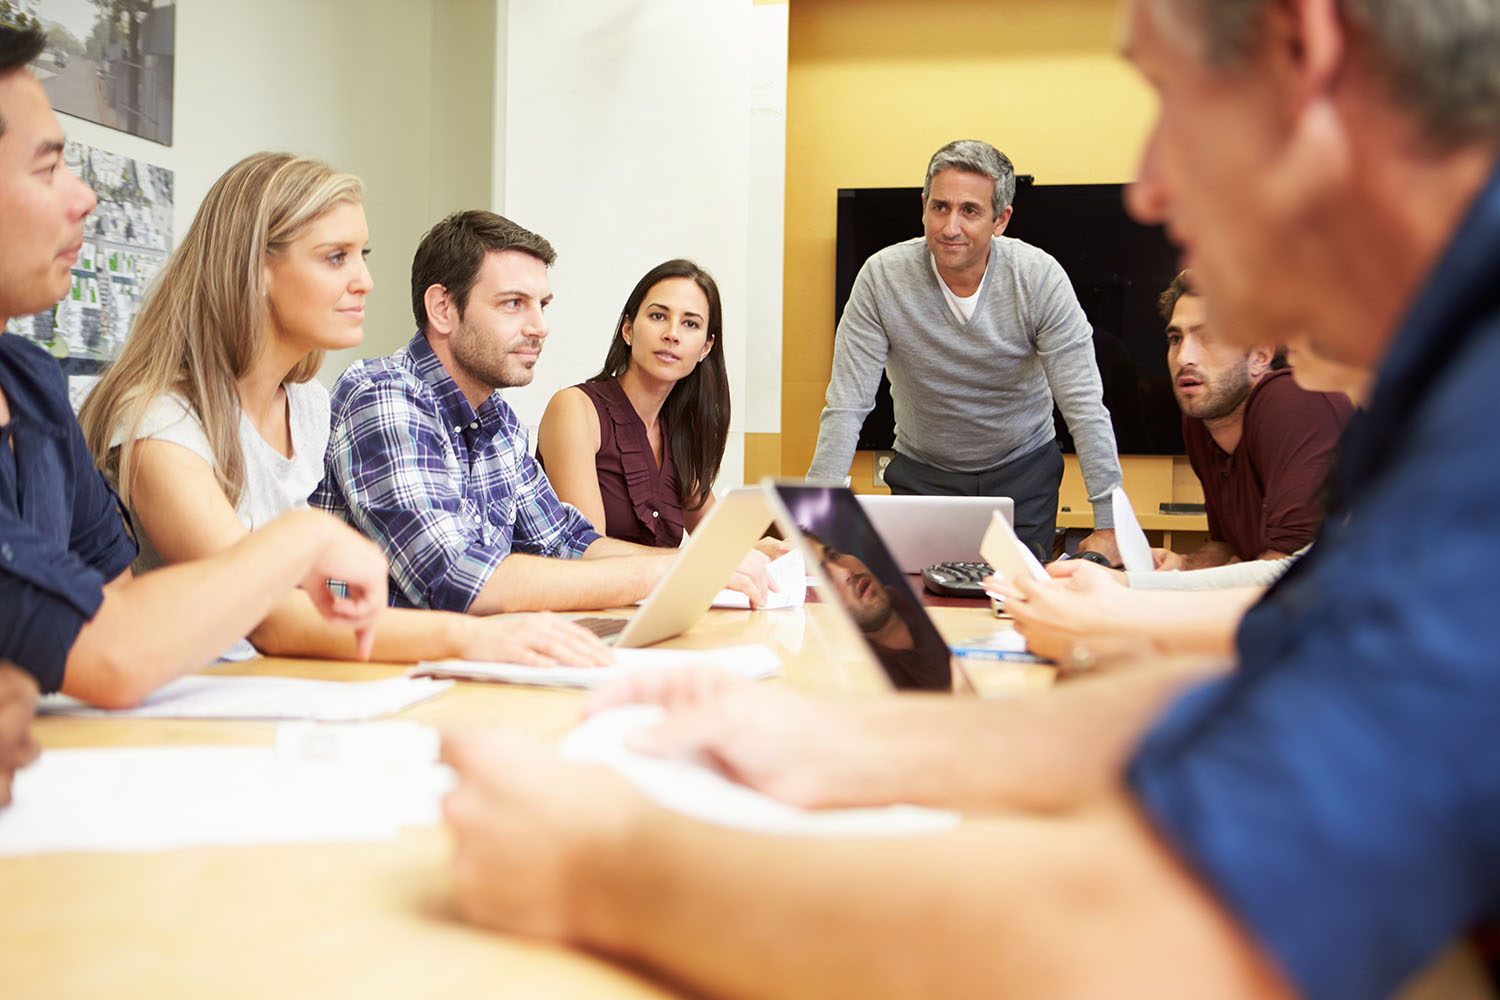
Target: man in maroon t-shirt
[[1259, 444]]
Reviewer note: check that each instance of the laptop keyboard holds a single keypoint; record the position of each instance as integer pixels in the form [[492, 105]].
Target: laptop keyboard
[[956, 579], [603, 627]]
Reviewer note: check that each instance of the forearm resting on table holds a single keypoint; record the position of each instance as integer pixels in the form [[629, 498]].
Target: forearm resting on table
[[156, 627], [294, 628], [1200, 622], [537, 583], [1089, 904], [1207, 555], [1053, 751]]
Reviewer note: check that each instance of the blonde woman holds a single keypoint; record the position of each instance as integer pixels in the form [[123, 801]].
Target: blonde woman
[[210, 421]]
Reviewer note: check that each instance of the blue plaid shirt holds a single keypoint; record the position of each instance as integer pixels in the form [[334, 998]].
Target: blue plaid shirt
[[445, 490]]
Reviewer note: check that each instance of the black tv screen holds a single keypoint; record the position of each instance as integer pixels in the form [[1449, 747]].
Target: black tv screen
[[1117, 266]]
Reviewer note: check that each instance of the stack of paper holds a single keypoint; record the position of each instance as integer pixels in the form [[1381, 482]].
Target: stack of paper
[[317, 784], [753, 662], [208, 696]]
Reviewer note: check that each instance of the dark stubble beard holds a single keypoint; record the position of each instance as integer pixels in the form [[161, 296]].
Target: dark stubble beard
[[1220, 399], [871, 619], [490, 363]]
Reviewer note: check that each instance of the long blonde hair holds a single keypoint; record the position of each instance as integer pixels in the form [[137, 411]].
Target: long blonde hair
[[204, 321]]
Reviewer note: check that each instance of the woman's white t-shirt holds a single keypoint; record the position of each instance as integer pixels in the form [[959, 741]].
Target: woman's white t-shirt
[[274, 483]]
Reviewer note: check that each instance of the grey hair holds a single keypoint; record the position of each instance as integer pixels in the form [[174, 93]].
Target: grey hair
[[1438, 58], [975, 157]]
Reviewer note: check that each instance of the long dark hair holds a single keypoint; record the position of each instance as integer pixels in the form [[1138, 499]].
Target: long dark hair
[[697, 408]]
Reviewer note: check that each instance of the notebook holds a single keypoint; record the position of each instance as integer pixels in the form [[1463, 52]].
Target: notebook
[[922, 531]]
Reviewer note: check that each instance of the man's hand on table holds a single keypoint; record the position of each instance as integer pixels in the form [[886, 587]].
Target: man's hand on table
[[539, 639], [805, 751], [526, 825], [1102, 542]]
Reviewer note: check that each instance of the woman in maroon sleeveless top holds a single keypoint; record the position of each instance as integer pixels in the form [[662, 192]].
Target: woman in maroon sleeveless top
[[636, 448]]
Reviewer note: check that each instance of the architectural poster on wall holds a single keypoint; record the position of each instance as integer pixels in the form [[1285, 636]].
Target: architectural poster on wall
[[125, 243]]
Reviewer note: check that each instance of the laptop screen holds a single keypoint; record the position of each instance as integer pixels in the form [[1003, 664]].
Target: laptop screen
[[870, 586]]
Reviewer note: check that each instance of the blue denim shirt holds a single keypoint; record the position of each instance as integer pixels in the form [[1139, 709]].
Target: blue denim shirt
[[62, 533], [1340, 793]]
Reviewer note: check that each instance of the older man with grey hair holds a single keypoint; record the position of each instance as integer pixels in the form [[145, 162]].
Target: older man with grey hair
[[979, 334], [1322, 821]]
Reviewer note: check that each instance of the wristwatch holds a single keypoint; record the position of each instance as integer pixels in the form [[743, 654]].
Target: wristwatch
[[1095, 557]]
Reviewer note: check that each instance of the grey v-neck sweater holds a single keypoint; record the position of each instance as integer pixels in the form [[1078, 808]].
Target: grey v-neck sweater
[[969, 396]]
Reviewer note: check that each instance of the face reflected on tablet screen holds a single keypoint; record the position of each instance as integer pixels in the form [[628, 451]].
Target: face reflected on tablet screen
[[868, 583], [866, 597]]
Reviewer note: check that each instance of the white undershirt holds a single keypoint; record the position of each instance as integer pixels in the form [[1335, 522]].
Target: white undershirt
[[962, 306]]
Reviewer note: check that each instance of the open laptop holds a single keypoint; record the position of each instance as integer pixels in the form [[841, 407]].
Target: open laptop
[[922, 531], [734, 523]]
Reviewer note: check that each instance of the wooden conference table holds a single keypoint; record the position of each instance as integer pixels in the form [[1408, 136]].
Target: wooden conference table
[[330, 920]]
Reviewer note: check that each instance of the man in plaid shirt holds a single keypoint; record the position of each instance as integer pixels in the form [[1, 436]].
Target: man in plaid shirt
[[427, 459]]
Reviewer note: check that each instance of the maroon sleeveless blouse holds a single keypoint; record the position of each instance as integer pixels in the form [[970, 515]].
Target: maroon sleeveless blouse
[[640, 500]]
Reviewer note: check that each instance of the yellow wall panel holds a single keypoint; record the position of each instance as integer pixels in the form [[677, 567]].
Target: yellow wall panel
[[875, 86]]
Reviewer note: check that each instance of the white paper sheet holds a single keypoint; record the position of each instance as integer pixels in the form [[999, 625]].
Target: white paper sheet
[[1135, 551], [1010, 557], [753, 662], [690, 786], [209, 696], [791, 578], [319, 783]]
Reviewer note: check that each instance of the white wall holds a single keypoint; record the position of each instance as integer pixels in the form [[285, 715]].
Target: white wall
[[344, 80], [627, 142], [767, 200], [462, 101]]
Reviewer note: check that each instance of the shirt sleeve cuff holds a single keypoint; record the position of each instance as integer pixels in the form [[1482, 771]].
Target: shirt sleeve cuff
[[579, 541], [41, 634], [117, 559], [465, 577], [1104, 514]]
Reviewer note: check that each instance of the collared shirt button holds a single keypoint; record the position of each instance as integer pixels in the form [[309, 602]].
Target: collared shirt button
[[474, 426], [654, 513], [478, 519]]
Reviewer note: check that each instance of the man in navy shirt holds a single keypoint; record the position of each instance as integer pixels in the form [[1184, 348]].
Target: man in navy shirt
[[71, 615], [1322, 821]]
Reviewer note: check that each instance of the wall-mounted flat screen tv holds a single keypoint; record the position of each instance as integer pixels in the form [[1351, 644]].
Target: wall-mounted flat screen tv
[[1117, 266]]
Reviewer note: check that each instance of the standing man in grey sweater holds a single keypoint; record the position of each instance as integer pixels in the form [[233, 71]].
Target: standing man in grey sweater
[[978, 334]]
